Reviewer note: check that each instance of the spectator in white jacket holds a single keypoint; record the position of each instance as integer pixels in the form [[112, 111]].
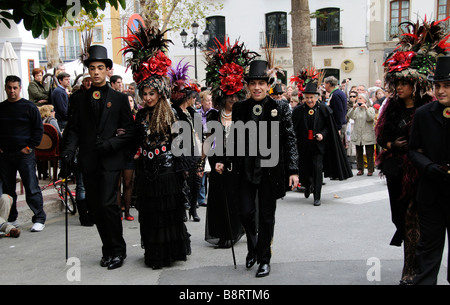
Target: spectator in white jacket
[[363, 133]]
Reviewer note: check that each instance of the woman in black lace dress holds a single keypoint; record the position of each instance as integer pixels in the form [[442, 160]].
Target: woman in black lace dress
[[159, 184], [159, 174]]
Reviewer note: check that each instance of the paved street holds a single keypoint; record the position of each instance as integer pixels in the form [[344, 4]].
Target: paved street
[[345, 241]]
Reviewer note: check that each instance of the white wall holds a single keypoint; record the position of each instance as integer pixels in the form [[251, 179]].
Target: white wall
[[26, 47]]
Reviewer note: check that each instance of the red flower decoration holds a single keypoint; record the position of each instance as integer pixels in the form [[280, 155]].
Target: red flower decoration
[[157, 65], [231, 84], [400, 61], [231, 78]]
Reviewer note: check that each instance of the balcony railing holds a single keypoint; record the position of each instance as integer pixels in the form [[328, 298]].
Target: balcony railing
[[69, 52], [326, 38], [66, 53], [278, 40]]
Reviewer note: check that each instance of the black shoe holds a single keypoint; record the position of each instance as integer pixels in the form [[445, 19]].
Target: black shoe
[[86, 221], [105, 261], [250, 260], [317, 202], [116, 262], [307, 191], [263, 270]]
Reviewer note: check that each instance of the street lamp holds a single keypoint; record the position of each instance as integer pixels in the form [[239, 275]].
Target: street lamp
[[195, 43]]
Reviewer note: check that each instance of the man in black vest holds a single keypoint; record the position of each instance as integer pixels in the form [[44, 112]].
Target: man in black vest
[[429, 148], [101, 126], [268, 181]]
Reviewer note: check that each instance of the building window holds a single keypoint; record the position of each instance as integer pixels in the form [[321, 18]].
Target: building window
[[331, 72], [328, 27], [216, 27], [443, 11], [71, 46], [276, 29], [97, 35], [399, 14]]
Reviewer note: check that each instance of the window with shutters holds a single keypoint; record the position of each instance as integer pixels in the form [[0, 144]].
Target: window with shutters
[[276, 29], [216, 27]]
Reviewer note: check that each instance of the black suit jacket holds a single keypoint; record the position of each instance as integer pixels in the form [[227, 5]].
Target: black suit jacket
[[427, 147], [288, 156], [83, 132]]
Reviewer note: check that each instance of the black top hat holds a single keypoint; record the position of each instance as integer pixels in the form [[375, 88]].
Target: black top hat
[[442, 72], [278, 89], [258, 70], [311, 88], [98, 53]]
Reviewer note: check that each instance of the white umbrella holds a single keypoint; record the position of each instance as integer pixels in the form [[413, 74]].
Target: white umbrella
[[9, 66]]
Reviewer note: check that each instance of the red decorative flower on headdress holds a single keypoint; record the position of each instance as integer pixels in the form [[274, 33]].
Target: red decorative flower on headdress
[[156, 65], [231, 76], [400, 61]]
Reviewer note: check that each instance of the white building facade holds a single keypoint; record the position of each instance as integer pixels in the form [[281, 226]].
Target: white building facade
[[351, 43]]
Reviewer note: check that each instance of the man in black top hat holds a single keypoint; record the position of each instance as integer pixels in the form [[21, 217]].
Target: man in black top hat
[[319, 146], [257, 177], [429, 148], [102, 127]]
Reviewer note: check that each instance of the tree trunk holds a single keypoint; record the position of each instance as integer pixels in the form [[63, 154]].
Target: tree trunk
[[301, 35], [53, 58]]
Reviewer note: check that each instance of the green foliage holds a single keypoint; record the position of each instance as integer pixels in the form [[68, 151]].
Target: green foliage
[[179, 14], [86, 22], [40, 16]]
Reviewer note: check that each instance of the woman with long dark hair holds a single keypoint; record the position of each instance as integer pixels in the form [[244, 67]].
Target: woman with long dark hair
[[159, 172], [406, 78]]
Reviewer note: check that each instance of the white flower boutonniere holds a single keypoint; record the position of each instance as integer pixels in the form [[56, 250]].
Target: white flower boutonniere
[[274, 113]]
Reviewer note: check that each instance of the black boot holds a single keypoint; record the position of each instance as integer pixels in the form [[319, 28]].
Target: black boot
[[193, 213], [85, 219]]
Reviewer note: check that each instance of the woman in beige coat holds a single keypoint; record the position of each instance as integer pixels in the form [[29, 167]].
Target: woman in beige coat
[[363, 133]]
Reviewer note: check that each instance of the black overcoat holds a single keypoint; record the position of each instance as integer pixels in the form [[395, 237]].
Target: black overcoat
[[427, 146]]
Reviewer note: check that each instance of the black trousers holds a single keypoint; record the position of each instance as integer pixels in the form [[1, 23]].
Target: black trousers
[[258, 221], [101, 197], [312, 170], [434, 220]]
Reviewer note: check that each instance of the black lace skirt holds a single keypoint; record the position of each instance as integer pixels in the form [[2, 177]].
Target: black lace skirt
[[161, 208], [223, 226]]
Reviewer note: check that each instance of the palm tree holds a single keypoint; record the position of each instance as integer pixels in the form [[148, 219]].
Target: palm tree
[[301, 35]]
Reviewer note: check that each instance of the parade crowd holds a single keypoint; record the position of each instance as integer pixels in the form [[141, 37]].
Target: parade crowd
[[117, 144]]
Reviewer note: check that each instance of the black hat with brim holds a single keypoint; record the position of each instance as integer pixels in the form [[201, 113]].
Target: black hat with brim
[[311, 88], [442, 72], [98, 53], [278, 89], [258, 70]]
